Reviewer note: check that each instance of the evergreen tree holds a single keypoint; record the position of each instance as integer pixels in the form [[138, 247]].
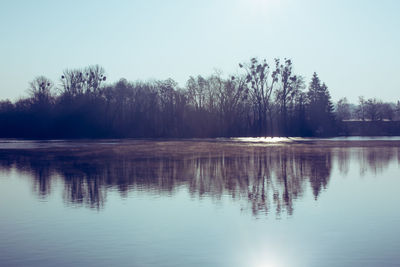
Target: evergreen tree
[[320, 108]]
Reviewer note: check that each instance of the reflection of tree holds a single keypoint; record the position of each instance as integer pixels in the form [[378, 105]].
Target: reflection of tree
[[84, 189], [398, 154], [320, 169], [40, 170], [6, 163], [42, 182], [343, 159], [269, 179], [375, 159]]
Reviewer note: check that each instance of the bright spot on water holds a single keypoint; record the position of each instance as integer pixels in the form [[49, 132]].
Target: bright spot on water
[[266, 139], [265, 257], [267, 263]]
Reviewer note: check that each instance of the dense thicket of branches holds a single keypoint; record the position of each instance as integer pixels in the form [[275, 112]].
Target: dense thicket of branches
[[263, 100]]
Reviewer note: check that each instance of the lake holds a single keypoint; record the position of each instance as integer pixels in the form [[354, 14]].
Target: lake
[[272, 202]]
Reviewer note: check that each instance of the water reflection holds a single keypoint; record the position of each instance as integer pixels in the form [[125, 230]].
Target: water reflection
[[269, 179]]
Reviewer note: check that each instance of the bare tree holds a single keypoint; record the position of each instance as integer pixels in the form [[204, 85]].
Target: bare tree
[[79, 81], [289, 87], [372, 111], [360, 111], [40, 90], [230, 97], [343, 109], [197, 88], [261, 82]]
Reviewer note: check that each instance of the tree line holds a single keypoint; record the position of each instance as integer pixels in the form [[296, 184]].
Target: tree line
[[264, 99], [371, 109]]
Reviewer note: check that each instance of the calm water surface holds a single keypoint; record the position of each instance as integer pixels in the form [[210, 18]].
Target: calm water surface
[[225, 202]]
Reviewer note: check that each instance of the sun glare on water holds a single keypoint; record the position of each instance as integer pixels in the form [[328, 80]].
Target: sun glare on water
[[267, 263], [268, 256], [266, 139]]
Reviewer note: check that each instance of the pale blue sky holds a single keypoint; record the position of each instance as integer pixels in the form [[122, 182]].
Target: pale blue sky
[[353, 45]]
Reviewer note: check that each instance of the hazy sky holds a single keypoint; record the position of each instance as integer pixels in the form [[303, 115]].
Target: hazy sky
[[353, 45]]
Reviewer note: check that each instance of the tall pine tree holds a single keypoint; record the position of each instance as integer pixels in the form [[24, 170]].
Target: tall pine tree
[[320, 116]]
